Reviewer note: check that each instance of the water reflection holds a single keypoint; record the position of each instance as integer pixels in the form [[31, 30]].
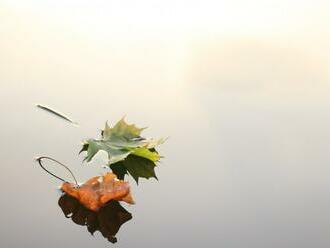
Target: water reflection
[[107, 220]]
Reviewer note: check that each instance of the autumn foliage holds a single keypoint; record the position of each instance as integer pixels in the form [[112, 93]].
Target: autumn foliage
[[99, 190]]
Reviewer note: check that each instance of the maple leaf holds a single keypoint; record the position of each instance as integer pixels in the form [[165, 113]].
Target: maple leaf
[[97, 191], [135, 166], [122, 129], [119, 169], [123, 143]]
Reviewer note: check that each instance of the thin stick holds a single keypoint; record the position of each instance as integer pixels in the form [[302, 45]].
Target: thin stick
[[54, 160], [56, 113]]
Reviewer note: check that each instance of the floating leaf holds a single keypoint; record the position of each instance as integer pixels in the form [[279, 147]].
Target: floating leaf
[[119, 169], [128, 152], [115, 153], [145, 153], [136, 166], [97, 191], [122, 129]]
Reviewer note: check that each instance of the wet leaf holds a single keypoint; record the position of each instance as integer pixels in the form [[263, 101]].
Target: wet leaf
[[119, 169], [123, 143], [115, 153], [137, 167], [145, 153], [122, 129], [97, 191]]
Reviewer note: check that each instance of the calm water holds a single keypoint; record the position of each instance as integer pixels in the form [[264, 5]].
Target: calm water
[[247, 159], [235, 173]]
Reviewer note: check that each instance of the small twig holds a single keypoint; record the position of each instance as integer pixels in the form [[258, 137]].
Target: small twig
[[56, 113]]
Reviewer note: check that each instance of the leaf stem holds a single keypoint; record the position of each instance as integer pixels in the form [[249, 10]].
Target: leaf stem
[[54, 160]]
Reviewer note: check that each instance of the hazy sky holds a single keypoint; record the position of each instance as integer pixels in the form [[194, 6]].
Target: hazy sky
[[204, 41]]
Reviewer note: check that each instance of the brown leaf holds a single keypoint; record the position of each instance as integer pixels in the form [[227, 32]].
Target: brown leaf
[[97, 191]]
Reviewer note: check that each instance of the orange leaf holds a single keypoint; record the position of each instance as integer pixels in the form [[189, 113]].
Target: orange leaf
[[97, 191]]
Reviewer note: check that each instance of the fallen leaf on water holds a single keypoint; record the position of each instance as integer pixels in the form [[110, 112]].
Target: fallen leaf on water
[[99, 190], [128, 152], [135, 166]]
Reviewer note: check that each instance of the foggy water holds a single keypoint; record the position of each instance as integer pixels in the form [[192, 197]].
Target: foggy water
[[247, 159]]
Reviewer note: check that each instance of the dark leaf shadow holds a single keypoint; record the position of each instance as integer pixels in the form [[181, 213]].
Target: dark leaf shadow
[[107, 220]]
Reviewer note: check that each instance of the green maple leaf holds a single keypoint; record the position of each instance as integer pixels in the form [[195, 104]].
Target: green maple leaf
[[146, 153], [115, 153], [128, 152], [135, 166], [122, 129], [119, 169]]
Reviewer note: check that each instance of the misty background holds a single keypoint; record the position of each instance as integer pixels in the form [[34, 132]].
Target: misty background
[[241, 88]]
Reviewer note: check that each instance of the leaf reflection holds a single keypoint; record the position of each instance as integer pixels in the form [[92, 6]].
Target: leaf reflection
[[107, 220]]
